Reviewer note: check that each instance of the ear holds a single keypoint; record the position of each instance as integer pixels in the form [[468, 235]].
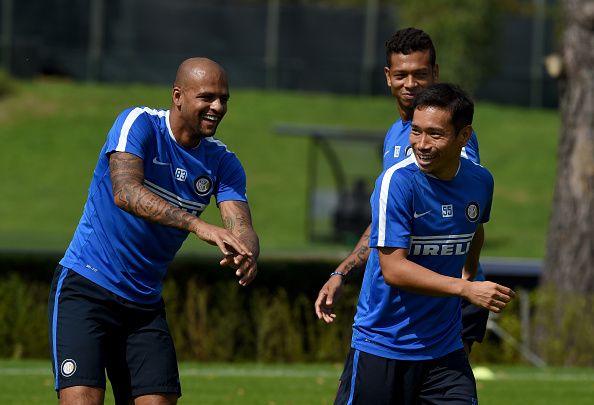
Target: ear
[[465, 134], [387, 74], [176, 95], [435, 73]]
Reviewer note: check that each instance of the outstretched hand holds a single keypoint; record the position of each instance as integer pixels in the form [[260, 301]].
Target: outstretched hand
[[327, 296], [489, 295], [236, 255], [245, 267]]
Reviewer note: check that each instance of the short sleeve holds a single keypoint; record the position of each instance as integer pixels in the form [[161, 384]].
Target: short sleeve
[[489, 183], [131, 132], [391, 204], [232, 180]]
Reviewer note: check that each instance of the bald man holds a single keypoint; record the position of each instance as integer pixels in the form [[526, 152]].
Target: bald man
[[156, 174]]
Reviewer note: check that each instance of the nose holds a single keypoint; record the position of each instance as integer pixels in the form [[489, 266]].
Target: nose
[[422, 142], [217, 105], [409, 81]]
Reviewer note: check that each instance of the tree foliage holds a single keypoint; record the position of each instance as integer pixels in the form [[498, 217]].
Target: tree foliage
[[463, 32]]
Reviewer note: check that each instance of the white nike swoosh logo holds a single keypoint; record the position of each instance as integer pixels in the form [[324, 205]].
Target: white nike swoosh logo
[[421, 214], [157, 162], [386, 152]]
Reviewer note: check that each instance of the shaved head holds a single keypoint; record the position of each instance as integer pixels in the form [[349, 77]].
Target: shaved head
[[199, 100], [194, 69]]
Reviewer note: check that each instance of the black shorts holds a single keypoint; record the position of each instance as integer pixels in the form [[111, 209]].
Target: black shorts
[[93, 330], [474, 322], [369, 379]]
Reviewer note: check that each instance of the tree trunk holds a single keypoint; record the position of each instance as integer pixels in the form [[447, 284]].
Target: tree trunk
[[569, 261]]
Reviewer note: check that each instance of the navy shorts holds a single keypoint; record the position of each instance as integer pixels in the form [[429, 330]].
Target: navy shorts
[[369, 379], [474, 322], [93, 331]]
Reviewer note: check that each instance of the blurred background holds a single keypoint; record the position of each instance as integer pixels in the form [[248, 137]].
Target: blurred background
[[328, 45], [308, 111]]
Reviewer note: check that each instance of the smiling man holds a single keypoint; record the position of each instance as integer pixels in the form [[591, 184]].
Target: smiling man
[[407, 345], [156, 173], [410, 67]]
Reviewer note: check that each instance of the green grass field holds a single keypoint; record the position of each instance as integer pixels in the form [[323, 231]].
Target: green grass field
[[52, 131], [31, 383]]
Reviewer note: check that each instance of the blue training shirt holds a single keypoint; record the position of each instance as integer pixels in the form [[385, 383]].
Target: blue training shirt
[[397, 148], [435, 220], [124, 253]]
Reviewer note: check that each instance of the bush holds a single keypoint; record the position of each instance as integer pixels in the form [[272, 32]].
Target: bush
[[213, 319], [7, 85], [564, 326], [23, 318], [223, 322], [494, 349]]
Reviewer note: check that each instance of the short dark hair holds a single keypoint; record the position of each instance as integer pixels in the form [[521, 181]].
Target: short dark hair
[[409, 40], [449, 97]]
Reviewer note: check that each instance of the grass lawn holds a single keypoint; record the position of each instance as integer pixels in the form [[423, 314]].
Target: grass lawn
[[31, 383], [52, 132]]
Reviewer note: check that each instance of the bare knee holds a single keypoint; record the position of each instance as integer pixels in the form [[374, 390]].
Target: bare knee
[[156, 399], [82, 395]]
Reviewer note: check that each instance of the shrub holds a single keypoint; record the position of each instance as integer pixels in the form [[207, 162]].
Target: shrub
[[7, 85], [564, 326], [23, 318]]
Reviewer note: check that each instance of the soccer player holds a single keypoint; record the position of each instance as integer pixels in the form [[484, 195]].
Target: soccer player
[[406, 345], [410, 67], [155, 175]]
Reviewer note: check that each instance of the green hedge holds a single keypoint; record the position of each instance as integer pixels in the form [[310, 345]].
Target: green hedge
[[212, 318]]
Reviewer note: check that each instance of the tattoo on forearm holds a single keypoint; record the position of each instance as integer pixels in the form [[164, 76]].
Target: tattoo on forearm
[[132, 196], [350, 265], [237, 224], [237, 220], [229, 223], [363, 250]]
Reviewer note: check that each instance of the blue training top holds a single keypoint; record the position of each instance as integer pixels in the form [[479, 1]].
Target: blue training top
[[435, 220], [397, 147], [127, 254]]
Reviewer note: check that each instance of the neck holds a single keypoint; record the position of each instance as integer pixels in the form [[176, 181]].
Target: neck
[[449, 173], [406, 114], [183, 135]]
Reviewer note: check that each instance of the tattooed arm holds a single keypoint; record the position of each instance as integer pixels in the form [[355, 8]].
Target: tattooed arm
[[130, 194], [330, 291], [238, 220]]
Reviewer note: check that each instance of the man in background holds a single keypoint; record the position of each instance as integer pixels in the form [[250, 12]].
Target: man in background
[[410, 67]]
